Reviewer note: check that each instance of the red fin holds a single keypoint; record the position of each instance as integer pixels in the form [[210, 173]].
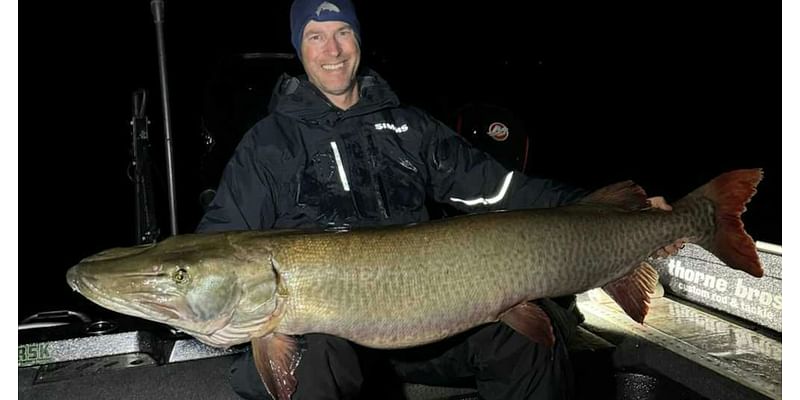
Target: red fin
[[276, 357], [730, 192], [531, 321], [626, 195], [632, 292]]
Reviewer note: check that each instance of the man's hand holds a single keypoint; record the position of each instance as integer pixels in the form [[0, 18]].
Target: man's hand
[[671, 249]]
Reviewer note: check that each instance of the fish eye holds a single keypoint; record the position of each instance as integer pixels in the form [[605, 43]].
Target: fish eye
[[181, 275]]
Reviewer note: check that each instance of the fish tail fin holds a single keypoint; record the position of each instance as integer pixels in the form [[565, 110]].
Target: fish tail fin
[[729, 192]]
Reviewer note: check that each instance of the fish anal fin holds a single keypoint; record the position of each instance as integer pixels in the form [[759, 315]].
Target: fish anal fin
[[276, 358], [632, 292], [530, 320], [626, 195]]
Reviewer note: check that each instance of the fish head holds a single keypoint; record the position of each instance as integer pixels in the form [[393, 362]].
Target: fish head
[[198, 283]]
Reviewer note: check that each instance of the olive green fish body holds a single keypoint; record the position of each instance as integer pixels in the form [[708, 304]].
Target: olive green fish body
[[399, 287], [403, 286]]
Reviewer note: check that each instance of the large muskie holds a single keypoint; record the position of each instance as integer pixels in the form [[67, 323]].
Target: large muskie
[[402, 286]]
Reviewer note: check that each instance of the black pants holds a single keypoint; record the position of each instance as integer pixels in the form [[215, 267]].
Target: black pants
[[499, 362]]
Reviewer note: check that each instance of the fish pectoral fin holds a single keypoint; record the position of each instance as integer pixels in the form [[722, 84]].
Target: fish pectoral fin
[[632, 292], [276, 358], [530, 320]]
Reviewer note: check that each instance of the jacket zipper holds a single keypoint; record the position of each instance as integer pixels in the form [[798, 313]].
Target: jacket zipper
[[381, 190]]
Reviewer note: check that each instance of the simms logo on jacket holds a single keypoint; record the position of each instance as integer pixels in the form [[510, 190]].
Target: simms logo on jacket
[[385, 125]]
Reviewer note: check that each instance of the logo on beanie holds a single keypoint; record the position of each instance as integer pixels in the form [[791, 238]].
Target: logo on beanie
[[498, 131], [325, 6]]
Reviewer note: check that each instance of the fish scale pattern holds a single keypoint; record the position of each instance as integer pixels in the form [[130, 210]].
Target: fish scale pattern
[[400, 287]]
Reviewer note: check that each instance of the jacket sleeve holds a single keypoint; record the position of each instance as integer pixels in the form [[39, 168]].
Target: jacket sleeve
[[472, 181], [244, 199]]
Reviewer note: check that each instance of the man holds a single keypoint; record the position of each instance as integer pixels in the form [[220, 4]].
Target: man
[[338, 151]]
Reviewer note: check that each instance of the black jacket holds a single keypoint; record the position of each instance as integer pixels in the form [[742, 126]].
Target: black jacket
[[311, 165]]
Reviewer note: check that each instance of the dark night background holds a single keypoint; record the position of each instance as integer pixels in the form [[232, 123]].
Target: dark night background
[[667, 94]]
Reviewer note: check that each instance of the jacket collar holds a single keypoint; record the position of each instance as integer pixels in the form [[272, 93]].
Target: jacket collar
[[298, 98]]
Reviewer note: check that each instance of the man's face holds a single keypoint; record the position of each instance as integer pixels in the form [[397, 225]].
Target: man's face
[[330, 57]]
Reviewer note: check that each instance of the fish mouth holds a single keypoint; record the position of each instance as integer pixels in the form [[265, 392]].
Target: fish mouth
[[142, 305]]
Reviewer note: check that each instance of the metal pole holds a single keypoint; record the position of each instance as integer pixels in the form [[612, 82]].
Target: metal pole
[[146, 225], [138, 123], [157, 8]]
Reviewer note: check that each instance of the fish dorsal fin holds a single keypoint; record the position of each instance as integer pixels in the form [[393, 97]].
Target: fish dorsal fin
[[276, 358], [530, 320], [626, 195], [632, 292]]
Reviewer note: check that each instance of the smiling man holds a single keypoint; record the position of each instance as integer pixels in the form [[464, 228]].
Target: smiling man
[[325, 36], [330, 56], [339, 151]]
